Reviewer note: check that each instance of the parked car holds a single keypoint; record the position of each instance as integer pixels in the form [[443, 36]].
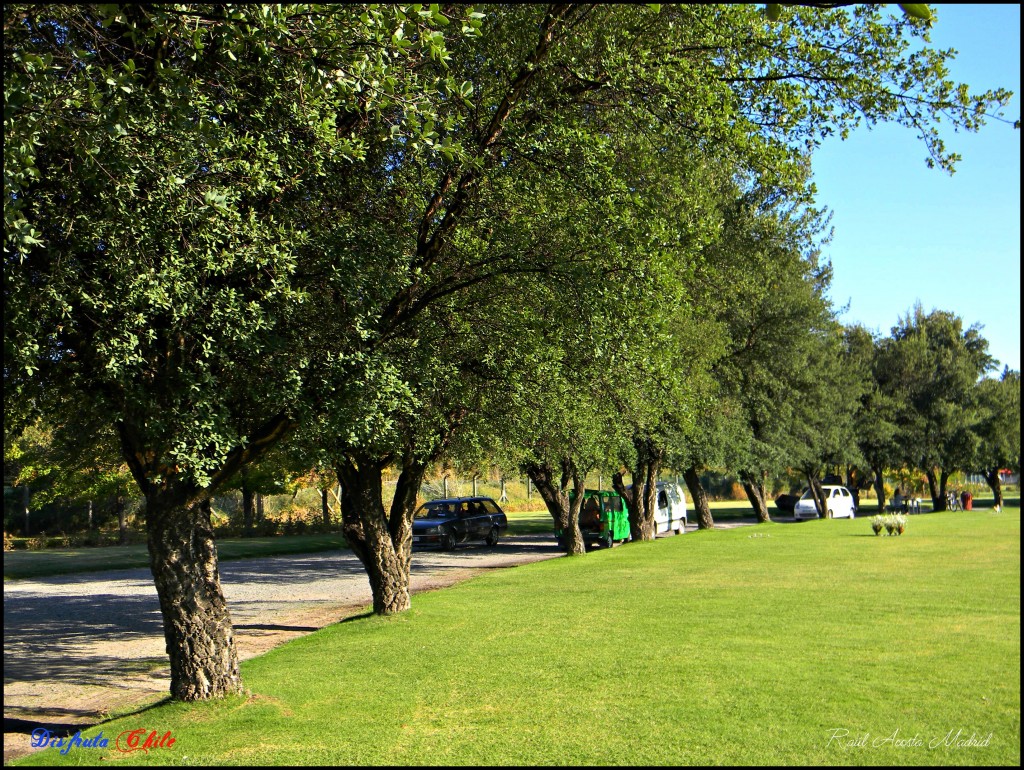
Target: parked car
[[670, 510], [458, 520], [838, 499]]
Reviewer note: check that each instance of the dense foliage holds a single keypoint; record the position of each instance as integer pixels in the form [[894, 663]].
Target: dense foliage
[[571, 236]]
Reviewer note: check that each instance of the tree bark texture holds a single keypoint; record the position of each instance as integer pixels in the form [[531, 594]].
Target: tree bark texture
[[183, 560], [197, 624], [699, 496], [382, 540], [754, 487], [565, 513]]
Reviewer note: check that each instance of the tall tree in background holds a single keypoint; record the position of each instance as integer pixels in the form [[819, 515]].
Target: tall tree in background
[[998, 430], [823, 433], [875, 420], [931, 365]]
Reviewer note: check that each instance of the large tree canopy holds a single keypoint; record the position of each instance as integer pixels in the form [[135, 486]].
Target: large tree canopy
[[222, 220]]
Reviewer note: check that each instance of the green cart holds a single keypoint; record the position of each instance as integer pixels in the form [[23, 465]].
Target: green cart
[[604, 518]]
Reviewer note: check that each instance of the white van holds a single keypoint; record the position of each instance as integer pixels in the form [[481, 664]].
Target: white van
[[670, 515], [670, 511]]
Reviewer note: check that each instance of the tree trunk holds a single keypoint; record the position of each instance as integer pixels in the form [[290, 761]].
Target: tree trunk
[[700, 498], [757, 495], [383, 543], [995, 483], [814, 483], [325, 508], [565, 513], [937, 490], [25, 499], [853, 484], [197, 624], [642, 504], [879, 488], [122, 518], [248, 510]]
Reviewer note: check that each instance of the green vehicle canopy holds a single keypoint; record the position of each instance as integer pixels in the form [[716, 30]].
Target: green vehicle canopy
[[603, 517]]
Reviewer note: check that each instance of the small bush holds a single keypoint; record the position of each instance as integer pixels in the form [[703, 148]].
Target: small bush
[[8, 542]]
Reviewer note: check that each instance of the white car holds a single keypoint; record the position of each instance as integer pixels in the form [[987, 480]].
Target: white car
[[838, 499]]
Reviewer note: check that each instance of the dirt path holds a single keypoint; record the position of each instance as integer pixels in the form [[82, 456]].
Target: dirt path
[[78, 647]]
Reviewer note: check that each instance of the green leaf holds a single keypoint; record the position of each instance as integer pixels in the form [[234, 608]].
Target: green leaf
[[917, 11]]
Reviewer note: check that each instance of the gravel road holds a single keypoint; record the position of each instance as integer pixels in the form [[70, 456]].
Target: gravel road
[[78, 646]]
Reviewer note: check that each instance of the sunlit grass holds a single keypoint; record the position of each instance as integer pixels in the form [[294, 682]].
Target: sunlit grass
[[745, 646]]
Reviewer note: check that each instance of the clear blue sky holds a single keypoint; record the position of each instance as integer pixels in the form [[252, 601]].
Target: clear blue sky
[[904, 233]]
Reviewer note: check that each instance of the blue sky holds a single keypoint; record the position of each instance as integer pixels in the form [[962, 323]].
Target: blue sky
[[904, 233]]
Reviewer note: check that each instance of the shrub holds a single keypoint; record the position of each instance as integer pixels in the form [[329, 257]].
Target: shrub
[[8, 542]]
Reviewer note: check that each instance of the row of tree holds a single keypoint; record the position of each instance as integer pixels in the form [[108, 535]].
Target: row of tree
[[562, 236]]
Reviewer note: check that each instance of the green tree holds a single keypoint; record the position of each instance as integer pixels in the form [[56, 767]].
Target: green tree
[[875, 420], [191, 191], [931, 365], [998, 430], [823, 432], [154, 157]]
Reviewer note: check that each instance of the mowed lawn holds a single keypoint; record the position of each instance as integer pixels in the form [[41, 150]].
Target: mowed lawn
[[812, 643]]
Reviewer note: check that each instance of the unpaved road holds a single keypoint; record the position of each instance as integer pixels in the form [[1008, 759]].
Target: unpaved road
[[78, 646]]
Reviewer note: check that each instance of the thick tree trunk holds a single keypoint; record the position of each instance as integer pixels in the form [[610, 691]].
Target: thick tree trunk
[[642, 504], [564, 512], [995, 483], [383, 546], [879, 483], [197, 624], [700, 498], [757, 495], [325, 508], [937, 489]]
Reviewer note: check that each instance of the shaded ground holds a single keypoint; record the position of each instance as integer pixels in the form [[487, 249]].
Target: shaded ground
[[79, 647]]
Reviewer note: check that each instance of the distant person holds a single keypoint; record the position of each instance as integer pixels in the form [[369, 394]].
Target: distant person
[[898, 500]]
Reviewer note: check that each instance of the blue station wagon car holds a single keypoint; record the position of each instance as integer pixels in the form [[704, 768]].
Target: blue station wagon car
[[458, 520]]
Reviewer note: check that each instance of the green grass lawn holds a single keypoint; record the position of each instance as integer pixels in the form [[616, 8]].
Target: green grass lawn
[[813, 643]]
